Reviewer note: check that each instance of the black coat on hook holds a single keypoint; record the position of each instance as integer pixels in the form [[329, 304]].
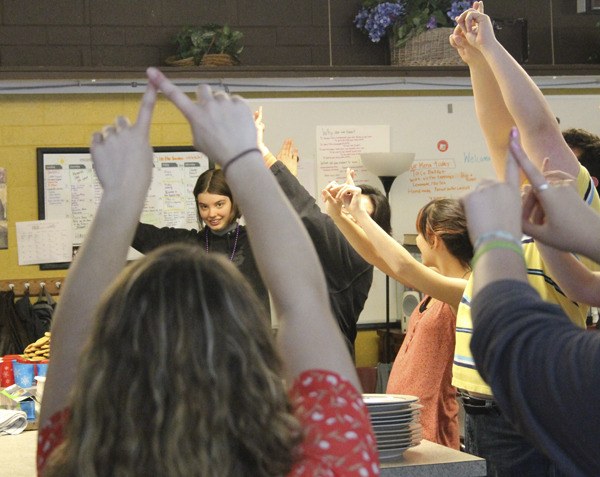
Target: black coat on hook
[[13, 336]]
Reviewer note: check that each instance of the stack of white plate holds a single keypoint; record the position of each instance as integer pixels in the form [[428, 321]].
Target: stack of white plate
[[396, 422]]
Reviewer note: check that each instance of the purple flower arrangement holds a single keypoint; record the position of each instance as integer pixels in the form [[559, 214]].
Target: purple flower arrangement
[[378, 20], [403, 19]]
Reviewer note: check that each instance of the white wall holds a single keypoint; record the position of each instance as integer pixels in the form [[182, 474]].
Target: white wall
[[417, 124]]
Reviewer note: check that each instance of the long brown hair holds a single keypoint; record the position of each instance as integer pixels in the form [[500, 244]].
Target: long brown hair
[[446, 219], [180, 377]]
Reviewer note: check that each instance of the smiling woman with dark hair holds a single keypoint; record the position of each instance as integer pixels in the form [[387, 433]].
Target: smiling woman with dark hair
[[220, 230]]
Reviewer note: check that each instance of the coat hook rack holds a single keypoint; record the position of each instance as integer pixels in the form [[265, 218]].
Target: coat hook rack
[[32, 285]]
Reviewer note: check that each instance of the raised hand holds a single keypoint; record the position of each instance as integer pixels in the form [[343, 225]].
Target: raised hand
[[350, 196], [260, 131], [484, 215], [476, 26], [288, 154], [333, 206], [553, 212], [334, 202], [122, 154], [467, 52], [222, 125], [458, 41]]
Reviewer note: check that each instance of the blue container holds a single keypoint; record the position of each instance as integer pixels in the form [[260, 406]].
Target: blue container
[[23, 374], [42, 369], [28, 406]]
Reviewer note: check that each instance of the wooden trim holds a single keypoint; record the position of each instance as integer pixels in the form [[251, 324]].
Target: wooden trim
[[53, 285], [84, 72]]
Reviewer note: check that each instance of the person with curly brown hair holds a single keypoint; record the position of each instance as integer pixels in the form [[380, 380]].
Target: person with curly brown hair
[[168, 367]]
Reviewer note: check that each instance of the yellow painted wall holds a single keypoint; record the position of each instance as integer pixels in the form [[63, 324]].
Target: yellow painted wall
[[366, 348]]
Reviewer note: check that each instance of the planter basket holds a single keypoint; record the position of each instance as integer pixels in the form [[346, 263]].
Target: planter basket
[[218, 59], [175, 61], [430, 48], [211, 59]]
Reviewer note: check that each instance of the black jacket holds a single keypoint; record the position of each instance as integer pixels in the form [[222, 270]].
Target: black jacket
[[148, 237], [348, 276]]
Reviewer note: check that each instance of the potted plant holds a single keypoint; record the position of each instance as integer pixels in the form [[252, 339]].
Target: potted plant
[[209, 45], [407, 22]]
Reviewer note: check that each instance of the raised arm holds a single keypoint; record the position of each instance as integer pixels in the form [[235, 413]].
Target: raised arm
[[122, 159], [493, 115], [355, 235], [552, 214], [223, 128], [288, 154], [398, 262], [493, 210], [533, 357], [540, 132], [573, 277]]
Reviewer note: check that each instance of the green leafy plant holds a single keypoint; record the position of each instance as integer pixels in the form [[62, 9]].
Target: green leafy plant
[[195, 42]]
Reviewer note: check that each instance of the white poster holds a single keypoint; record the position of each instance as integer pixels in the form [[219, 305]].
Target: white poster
[[44, 241], [340, 147]]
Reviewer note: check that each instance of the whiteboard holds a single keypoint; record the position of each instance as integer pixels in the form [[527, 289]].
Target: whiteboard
[[443, 132], [68, 188]]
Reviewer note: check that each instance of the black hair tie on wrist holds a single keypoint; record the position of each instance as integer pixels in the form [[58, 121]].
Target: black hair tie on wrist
[[240, 155]]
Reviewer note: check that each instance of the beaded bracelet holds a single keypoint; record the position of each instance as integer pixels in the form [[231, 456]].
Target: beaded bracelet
[[496, 234], [239, 156], [493, 245]]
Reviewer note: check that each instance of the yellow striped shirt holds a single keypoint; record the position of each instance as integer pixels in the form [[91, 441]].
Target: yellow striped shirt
[[464, 372]]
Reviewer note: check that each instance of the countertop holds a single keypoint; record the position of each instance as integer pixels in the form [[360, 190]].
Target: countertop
[[17, 459], [429, 459]]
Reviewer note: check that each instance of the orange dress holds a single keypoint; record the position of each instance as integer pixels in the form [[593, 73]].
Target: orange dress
[[423, 368]]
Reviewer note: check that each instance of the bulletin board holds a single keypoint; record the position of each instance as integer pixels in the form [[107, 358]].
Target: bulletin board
[[68, 188]]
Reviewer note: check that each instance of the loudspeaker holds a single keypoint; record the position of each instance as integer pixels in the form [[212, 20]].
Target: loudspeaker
[[410, 300]]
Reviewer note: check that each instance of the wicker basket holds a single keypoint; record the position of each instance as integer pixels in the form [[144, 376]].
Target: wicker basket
[[217, 59], [212, 59], [175, 61], [430, 48]]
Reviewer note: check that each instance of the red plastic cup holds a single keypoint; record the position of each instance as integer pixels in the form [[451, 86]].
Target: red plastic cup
[[7, 376]]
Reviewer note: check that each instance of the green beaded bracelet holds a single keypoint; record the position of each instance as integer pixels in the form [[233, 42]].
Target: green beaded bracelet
[[496, 244]]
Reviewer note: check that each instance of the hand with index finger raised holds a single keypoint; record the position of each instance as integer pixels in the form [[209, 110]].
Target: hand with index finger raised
[[222, 125]]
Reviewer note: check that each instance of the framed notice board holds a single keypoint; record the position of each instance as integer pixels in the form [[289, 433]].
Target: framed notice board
[[68, 188]]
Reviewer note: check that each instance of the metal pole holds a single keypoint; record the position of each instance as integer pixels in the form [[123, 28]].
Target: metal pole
[[387, 182]]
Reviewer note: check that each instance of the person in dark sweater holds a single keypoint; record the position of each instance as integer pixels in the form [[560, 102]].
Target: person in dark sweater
[[221, 230], [541, 367], [349, 276]]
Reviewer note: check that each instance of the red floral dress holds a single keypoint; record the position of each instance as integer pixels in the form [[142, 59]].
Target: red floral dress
[[338, 439]]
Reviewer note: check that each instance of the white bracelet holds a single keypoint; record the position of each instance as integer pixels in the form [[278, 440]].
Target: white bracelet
[[496, 235]]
